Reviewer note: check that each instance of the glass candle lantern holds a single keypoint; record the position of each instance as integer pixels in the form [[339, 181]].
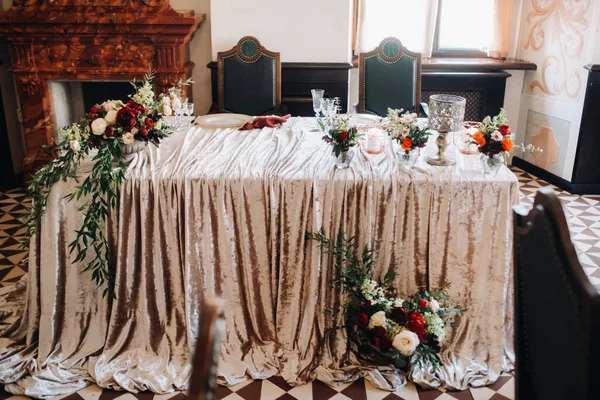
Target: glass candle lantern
[[446, 114]]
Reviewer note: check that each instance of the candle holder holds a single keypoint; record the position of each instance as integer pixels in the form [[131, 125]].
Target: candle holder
[[446, 114]]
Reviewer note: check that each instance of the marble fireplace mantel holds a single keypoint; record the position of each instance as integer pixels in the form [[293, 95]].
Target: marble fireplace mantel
[[83, 40]]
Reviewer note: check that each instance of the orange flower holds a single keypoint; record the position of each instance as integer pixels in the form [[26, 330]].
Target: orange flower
[[507, 144], [407, 144], [479, 138]]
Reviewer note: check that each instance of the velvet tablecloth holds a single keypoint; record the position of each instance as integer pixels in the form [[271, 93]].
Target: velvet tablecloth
[[223, 212]]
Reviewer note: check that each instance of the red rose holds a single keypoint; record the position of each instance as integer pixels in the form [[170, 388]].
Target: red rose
[[416, 322], [94, 109], [504, 130], [399, 315], [110, 132], [422, 335], [378, 331], [344, 136], [149, 122], [126, 118], [144, 131], [361, 320], [137, 108], [376, 341], [385, 344], [90, 115], [423, 303]]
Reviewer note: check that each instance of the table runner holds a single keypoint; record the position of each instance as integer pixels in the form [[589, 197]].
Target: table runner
[[223, 212]]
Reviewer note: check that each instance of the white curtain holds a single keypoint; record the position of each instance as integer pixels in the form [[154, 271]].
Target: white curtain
[[414, 23]]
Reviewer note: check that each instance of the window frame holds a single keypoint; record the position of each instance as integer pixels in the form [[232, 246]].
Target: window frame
[[451, 52]]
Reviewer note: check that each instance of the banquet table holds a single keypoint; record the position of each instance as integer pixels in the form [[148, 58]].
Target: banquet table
[[221, 212]]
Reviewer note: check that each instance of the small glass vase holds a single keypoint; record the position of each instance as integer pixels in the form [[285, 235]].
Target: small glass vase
[[408, 159], [492, 164], [344, 159]]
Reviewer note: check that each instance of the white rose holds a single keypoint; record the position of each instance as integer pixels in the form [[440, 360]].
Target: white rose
[[176, 104], [166, 100], [128, 138], [377, 319], [111, 117], [109, 105], [497, 135], [406, 342], [167, 110], [414, 116], [434, 305], [74, 144], [99, 126]]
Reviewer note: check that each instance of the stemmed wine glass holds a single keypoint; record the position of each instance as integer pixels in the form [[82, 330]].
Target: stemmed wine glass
[[317, 98]]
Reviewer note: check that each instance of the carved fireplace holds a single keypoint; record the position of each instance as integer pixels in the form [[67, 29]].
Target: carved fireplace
[[89, 40]]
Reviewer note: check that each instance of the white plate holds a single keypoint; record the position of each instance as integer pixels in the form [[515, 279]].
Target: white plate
[[222, 121], [364, 120]]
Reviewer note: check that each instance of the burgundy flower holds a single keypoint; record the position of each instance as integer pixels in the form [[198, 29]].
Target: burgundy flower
[[137, 108], [361, 320], [149, 122], [368, 303], [416, 322], [376, 341], [422, 335], [344, 136], [385, 344], [90, 115], [504, 130], [110, 132], [126, 118], [399, 315], [94, 109], [422, 144], [378, 331], [423, 303]]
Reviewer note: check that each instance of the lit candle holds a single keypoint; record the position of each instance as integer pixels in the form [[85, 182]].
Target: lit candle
[[374, 141]]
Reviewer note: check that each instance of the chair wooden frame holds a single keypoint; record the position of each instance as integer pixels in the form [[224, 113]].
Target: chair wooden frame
[[378, 51], [237, 51], [212, 326], [547, 203]]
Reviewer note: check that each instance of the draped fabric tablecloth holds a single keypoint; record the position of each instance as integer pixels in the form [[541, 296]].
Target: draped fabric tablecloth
[[224, 212]]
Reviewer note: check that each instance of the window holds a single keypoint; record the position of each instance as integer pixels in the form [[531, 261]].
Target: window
[[463, 28]]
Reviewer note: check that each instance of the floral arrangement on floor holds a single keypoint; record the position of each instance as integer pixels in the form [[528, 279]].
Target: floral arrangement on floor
[[406, 129], [383, 326], [340, 135], [112, 129]]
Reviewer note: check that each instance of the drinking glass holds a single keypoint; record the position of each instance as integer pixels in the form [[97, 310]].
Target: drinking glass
[[317, 97], [189, 113]]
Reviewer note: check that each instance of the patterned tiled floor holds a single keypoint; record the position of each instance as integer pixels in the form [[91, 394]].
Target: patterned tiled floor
[[583, 214]]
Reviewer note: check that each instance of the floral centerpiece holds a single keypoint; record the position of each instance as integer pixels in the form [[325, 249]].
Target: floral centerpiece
[[495, 141], [171, 101], [384, 328], [409, 132], [342, 139], [111, 130]]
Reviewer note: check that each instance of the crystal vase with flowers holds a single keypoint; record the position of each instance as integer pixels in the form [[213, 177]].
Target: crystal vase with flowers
[[410, 133], [110, 136], [494, 140], [342, 138], [384, 328]]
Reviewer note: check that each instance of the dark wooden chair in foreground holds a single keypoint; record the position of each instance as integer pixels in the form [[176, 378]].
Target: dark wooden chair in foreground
[[249, 79], [389, 76], [203, 382], [557, 309]]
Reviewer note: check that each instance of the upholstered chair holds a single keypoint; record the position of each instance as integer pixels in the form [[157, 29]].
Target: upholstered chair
[[557, 309], [249, 79], [390, 76], [203, 382]]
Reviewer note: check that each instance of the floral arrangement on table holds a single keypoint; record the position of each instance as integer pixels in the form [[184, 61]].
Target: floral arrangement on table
[[112, 129], [495, 141], [340, 135], [406, 129], [384, 327]]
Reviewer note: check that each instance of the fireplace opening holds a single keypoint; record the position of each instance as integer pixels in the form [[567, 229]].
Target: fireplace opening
[[71, 100]]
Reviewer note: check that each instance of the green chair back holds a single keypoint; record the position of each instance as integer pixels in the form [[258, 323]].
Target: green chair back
[[249, 79], [390, 76]]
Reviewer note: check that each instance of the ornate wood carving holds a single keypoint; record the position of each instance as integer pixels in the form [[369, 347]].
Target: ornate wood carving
[[85, 40]]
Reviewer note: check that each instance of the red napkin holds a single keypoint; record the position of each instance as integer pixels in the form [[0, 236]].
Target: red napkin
[[265, 122]]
